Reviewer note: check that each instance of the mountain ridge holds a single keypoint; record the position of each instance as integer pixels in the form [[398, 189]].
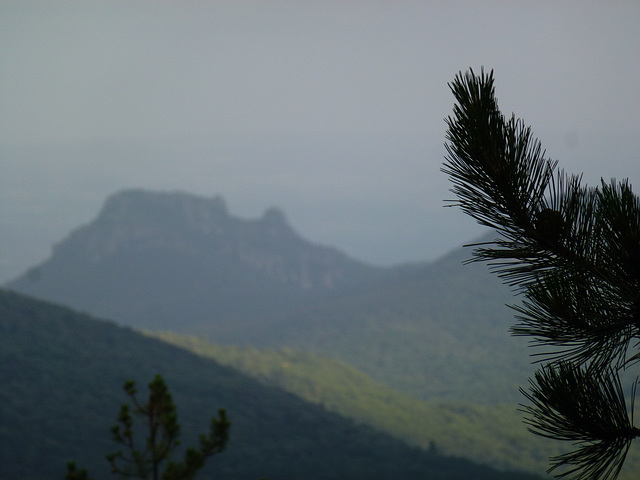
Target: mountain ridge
[[187, 222], [433, 330], [122, 265]]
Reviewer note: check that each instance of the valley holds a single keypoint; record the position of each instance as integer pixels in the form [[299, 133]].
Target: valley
[[418, 355]]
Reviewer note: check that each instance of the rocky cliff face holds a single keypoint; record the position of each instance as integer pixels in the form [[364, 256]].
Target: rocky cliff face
[[202, 227], [156, 246]]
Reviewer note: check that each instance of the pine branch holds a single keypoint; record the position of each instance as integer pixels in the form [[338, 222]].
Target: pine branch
[[576, 323], [551, 227], [506, 165], [502, 179], [574, 254], [585, 407]]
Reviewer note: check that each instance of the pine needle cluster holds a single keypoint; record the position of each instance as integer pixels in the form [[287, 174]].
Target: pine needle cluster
[[573, 253], [149, 457]]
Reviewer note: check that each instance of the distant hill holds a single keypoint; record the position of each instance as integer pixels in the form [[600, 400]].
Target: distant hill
[[172, 261], [435, 331], [61, 389], [491, 434]]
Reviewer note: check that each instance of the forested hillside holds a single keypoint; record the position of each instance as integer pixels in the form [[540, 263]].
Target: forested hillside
[[493, 434], [419, 351], [182, 263], [436, 331], [62, 374]]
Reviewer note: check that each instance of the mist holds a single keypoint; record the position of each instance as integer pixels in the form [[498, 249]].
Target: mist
[[333, 112]]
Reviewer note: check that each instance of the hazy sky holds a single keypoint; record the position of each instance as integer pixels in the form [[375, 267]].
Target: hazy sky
[[332, 111]]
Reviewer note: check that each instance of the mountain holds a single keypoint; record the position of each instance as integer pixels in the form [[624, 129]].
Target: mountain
[[172, 261], [491, 434], [60, 392], [435, 331]]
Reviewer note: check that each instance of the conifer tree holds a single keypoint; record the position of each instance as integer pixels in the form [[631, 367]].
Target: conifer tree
[[572, 252], [145, 457]]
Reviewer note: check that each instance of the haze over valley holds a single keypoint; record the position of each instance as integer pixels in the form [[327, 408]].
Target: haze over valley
[[331, 112], [418, 351], [246, 198]]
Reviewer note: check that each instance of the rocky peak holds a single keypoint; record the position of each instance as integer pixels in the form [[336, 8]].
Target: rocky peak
[[153, 258], [180, 227], [160, 208]]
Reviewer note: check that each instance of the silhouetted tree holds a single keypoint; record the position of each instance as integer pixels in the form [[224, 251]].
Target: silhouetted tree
[[573, 252], [144, 459]]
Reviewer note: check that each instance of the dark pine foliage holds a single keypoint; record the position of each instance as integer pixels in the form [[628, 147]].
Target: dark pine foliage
[[573, 253], [145, 459]]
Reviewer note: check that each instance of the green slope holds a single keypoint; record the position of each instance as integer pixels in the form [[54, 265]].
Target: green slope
[[438, 331], [60, 389], [167, 261], [491, 434]]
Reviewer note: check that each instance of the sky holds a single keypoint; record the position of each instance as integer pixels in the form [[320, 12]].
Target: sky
[[332, 111]]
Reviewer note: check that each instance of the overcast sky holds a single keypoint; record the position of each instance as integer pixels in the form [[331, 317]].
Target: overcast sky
[[332, 111]]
